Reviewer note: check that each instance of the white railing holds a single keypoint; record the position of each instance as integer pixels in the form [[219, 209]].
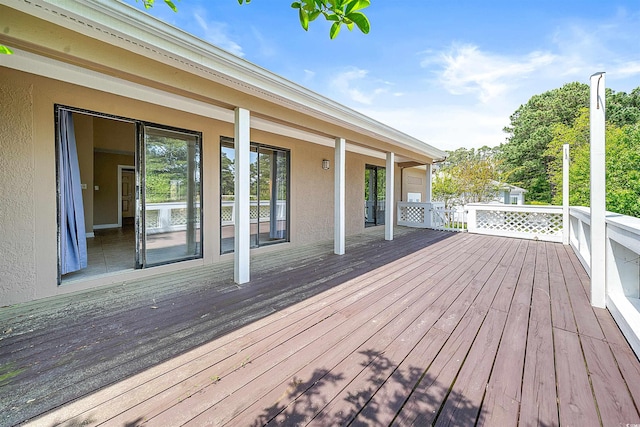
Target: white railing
[[622, 275], [413, 214], [525, 222], [167, 217], [448, 219], [430, 215], [228, 207]]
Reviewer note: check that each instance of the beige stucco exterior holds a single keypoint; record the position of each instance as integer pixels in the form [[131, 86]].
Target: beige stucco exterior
[[134, 83]]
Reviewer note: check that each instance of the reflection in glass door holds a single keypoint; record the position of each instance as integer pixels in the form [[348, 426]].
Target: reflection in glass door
[[374, 195], [169, 228], [269, 195]]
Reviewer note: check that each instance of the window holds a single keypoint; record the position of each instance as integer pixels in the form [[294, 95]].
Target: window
[[269, 192]]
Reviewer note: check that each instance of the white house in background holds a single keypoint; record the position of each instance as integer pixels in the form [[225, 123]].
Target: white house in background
[[510, 194], [185, 155]]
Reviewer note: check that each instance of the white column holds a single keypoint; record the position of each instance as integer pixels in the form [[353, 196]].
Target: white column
[[429, 189], [390, 197], [598, 191], [339, 197], [242, 196], [565, 194]]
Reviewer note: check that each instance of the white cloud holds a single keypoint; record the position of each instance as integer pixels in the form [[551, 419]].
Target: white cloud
[[446, 127], [465, 69], [354, 84], [216, 33], [309, 75]]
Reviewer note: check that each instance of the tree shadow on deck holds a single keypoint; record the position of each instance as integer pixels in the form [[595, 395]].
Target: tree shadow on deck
[[383, 393], [70, 346]]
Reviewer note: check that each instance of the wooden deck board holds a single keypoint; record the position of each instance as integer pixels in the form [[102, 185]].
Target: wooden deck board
[[434, 327], [539, 399], [502, 400], [576, 405]]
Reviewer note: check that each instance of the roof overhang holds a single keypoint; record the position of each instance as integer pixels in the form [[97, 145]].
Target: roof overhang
[[128, 28]]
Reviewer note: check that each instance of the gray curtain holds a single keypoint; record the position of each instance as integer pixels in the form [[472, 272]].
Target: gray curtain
[[73, 242]]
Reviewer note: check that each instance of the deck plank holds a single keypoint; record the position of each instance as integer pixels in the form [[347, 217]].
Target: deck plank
[[539, 400], [586, 321], [576, 405], [502, 400], [615, 405], [561, 313], [433, 327]]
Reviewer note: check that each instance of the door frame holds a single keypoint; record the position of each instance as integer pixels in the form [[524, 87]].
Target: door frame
[[122, 168]]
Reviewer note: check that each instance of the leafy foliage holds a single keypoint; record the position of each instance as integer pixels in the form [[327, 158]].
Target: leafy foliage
[[468, 176], [622, 164], [338, 12], [531, 131], [148, 4]]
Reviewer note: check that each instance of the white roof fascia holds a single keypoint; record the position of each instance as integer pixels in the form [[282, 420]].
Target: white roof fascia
[[132, 29]]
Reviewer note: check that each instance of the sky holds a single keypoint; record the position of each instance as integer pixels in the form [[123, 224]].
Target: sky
[[449, 73]]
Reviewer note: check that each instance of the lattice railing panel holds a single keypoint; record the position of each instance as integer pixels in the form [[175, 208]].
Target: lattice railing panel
[[178, 216], [520, 222], [226, 212], [152, 219], [412, 214]]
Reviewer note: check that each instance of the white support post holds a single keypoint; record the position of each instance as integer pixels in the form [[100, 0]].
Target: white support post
[[340, 197], [242, 195], [598, 191], [565, 194], [429, 181], [390, 197]]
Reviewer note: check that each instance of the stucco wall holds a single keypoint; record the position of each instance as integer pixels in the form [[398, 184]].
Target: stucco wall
[[414, 180], [30, 268], [17, 173]]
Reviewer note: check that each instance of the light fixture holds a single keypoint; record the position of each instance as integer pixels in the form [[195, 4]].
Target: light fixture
[[325, 164]]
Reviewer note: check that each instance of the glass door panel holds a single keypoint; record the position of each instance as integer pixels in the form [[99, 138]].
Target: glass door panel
[[170, 196], [227, 197], [254, 194], [374, 195], [273, 196], [381, 194]]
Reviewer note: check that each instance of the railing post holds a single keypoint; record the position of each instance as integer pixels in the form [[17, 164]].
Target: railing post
[[472, 225], [598, 191], [565, 194]]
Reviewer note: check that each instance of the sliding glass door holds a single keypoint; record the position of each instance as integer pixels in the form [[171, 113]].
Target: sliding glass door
[[374, 195], [169, 226], [269, 195]]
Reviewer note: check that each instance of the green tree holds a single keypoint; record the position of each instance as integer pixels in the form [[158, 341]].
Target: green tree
[[467, 176], [622, 164], [531, 131]]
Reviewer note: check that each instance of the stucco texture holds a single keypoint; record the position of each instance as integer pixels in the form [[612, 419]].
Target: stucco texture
[[17, 266]]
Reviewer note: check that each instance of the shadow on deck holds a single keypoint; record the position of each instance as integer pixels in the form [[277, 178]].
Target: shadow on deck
[[56, 350], [432, 328]]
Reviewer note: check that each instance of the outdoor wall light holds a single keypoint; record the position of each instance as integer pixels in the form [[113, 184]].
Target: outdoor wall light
[[325, 164]]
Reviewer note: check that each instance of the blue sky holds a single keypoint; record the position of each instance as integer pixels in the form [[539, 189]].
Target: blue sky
[[447, 72]]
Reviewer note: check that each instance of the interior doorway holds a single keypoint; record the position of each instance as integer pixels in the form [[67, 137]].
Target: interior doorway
[[126, 196], [374, 195]]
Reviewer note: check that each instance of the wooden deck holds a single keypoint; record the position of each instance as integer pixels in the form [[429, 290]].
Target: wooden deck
[[432, 328]]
